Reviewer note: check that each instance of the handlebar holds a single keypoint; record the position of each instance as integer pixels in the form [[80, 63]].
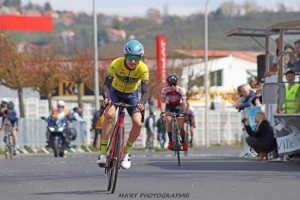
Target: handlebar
[[122, 105]]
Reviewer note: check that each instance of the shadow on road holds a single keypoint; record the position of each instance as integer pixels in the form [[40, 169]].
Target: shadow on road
[[227, 164], [74, 192]]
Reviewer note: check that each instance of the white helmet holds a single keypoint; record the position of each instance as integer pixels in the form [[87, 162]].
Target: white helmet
[[61, 103], [4, 100]]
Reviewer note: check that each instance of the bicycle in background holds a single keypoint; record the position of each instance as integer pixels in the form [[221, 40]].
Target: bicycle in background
[[177, 140], [8, 140]]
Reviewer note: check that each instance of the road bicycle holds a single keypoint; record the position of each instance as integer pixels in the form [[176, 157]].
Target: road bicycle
[[8, 140], [177, 140], [115, 147]]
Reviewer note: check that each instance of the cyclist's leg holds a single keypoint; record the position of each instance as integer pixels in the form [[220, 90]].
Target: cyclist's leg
[[136, 118], [169, 108], [192, 131], [109, 117], [137, 126], [106, 127], [15, 139], [180, 122], [14, 135]]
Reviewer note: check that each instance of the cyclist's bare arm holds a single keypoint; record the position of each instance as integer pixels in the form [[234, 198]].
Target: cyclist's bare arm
[[163, 105]]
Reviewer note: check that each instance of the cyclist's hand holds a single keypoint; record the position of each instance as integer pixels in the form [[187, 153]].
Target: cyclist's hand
[[140, 106], [106, 102]]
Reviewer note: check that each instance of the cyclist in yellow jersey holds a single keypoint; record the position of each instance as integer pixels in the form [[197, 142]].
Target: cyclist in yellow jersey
[[124, 76]]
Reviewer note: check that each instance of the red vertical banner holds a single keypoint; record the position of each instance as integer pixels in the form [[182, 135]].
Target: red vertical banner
[[161, 56]]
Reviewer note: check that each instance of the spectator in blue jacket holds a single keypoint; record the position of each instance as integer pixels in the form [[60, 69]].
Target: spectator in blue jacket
[[77, 117], [248, 95]]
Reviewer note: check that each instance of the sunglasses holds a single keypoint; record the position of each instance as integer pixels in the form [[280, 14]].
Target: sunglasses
[[133, 57]]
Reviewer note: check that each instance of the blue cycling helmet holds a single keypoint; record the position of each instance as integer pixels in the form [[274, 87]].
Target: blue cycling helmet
[[134, 47]]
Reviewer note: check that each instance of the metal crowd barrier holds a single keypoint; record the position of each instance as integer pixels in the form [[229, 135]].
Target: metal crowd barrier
[[32, 135]]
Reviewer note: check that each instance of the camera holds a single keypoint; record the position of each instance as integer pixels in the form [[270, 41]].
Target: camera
[[244, 119]]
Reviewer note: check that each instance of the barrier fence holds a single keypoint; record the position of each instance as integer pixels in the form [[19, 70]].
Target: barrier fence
[[225, 129], [32, 135]]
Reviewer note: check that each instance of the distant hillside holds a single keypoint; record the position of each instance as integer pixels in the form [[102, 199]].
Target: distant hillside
[[185, 33]]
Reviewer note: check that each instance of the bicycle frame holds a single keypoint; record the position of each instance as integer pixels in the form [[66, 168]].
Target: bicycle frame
[[119, 124], [173, 123]]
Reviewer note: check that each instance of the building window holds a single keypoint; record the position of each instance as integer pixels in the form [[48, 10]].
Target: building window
[[215, 78]]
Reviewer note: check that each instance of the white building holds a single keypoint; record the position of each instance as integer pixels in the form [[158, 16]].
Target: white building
[[228, 70]]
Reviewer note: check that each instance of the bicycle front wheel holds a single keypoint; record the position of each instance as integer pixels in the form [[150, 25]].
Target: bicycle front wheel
[[117, 159], [177, 144]]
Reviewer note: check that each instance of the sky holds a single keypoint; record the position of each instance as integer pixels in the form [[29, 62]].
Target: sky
[[139, 8]]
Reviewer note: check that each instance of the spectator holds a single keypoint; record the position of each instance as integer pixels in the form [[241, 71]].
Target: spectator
[[248, 95], [292, 95], [83, 131], [81, 105], [262, 138], [296, 67], [150, 124], [257, 100], [253, 84], [97, 125], [161, 131], [241, 99], [4, 103], [277, 57], [290, 59]]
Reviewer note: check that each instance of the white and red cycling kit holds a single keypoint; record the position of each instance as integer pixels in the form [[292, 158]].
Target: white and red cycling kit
[[173, 97]]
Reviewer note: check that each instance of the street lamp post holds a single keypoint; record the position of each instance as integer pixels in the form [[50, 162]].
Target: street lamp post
[[206, 77], [96, 75]]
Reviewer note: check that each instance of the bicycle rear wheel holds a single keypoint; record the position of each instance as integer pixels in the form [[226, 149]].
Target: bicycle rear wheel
[[117, 160]]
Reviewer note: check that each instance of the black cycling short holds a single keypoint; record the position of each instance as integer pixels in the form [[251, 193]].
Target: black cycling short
[[174, 108]]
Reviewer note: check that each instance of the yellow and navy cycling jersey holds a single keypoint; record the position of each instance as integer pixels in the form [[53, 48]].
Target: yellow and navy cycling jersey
[[126, 80]]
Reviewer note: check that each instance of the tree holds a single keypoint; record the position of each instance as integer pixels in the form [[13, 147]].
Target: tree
[[13, 3], [29, 6], [249, 7], [155, 87], [47, 6], [281, 8], [14, 69], [152, 12], [229, 9], [48, 72], [79, 69]]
